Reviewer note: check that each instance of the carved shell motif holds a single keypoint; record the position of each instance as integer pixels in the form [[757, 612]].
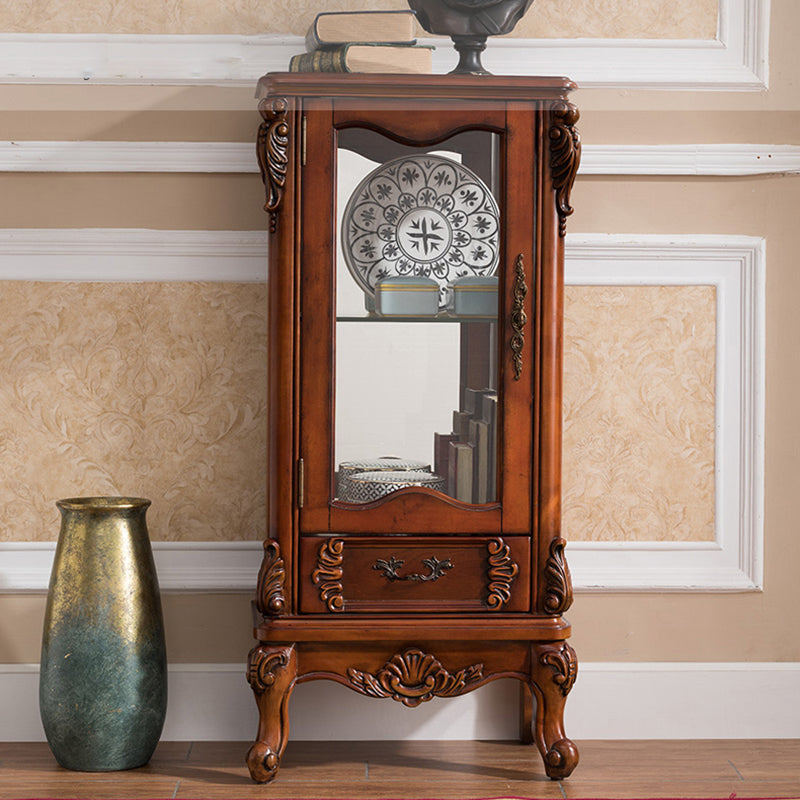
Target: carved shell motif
[[412, 677]]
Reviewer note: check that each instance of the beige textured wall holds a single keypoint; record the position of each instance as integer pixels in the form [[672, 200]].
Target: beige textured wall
[[607, 626], [639, 366], [154, 390], [650, 19], [159, 390]]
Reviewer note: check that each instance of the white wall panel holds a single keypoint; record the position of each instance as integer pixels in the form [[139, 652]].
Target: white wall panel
[[737, 60], [735, 265]]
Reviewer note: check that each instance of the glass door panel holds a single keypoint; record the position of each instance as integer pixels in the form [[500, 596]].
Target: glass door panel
[[418, 249]]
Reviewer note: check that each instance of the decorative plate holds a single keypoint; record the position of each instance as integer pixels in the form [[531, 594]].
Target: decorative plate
[[420, 215]]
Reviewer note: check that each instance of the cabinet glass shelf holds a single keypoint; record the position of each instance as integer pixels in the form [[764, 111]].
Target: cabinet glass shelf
[[441, 318]]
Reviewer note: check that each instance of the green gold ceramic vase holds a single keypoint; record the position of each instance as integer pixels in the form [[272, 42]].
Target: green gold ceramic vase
[[103, 680]]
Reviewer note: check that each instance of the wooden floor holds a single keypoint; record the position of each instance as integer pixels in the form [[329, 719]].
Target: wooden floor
[[609, 769]]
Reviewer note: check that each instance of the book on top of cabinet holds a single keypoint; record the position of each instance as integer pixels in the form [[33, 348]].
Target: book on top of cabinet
[[340, 27], [364, 57]]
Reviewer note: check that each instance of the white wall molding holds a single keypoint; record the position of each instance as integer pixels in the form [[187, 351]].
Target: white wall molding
[[236, 157], [98, 156], [690, 159], [736, 60], [131, 254], [609, 701], [181, 566], [734, 265]]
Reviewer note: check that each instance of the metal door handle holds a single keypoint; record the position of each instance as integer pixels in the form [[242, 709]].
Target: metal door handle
[[518, 316]]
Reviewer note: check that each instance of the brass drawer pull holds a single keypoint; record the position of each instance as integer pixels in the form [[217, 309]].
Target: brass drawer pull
[[518, 316], [390, 569]]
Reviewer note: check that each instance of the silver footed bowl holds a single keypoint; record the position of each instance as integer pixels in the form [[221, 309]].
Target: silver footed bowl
[[468, 23]]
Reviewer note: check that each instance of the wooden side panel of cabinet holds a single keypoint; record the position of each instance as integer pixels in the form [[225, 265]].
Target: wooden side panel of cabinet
[[559, 163], [519, 364], [316, 277], [278, 153]]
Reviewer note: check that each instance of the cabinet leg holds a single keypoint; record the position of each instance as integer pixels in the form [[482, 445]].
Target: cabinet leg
[[525, 714], [271, 673], [553, 671]]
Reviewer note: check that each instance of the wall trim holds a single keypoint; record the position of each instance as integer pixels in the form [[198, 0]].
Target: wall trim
[[735, 61], [664, 700], [734, 264], [690, 159], [132, 254], [725, 159], [95, 156], [181, 566]]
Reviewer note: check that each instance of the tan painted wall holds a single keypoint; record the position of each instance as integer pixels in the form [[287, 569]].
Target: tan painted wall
[[608, 627]]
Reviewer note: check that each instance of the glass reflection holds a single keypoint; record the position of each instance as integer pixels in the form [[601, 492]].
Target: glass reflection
[[416, 302]]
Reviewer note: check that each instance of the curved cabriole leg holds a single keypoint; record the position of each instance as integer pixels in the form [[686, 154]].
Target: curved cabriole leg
[[271, 672], [553, 671]]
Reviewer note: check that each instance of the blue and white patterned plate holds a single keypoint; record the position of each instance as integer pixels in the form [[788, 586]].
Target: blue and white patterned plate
[[420, 215]]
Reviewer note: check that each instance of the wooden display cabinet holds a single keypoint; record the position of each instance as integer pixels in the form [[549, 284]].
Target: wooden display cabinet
[[415, 334]]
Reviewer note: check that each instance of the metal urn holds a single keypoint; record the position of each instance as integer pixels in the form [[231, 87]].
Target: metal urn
[[468, 23], [103, 678]]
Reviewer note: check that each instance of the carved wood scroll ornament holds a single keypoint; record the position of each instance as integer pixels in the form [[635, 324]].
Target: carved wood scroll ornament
[[270, 595], [328, 574], [564, 664], [413, 677], [262, 667], [558, 583], [272, 152], [565, 157], [501, 574]]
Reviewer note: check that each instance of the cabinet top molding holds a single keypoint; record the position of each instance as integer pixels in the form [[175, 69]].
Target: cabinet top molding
[[384, 85]]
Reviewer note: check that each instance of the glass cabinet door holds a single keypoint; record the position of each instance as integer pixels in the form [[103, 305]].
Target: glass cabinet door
[[403, 286], [416, 284]]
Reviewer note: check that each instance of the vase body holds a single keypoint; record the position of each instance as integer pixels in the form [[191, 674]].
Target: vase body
[[103, 679]]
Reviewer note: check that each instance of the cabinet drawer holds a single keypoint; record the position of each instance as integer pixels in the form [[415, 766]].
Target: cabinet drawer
[[355, 574]]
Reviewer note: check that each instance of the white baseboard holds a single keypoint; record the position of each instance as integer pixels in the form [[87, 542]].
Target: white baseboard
[[212, 702]]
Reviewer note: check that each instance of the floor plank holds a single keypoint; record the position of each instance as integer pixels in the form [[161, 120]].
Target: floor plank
[[413, 770]]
